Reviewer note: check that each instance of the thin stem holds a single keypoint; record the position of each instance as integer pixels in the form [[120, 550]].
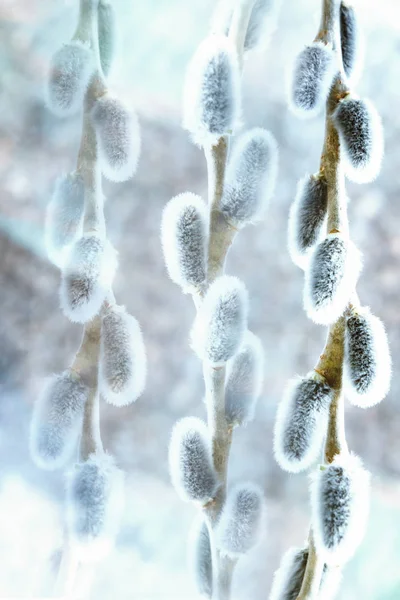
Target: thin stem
[[66, 573], [313, 573], [239, 24]]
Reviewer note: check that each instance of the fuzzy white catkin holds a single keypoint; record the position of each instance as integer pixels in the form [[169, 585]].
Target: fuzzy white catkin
[[122, 368], [242, 521], [212, 98], [288, 578], [57, 420], [340, 505], [301, 422], [118, 138], [244, 381], [330, 278], [361, 137], [87, 277], [184, 236], [200, 557], [107, 34], [70, 71], [221, 321], [368, 364], [350, 37], [307, 218], [190, 461], [95, 501], [64, 217], [312, 78], [250, 178]]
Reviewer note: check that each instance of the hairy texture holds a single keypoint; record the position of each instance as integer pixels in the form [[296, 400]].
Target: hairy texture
[[70, 72], [307, 218], [87, 277], [250, 178], [190, 461], [200, 556], [301, 422], [361, 138], [212, 91], [331, 278], [118, 138], [95, 501], [57, 420], [184, 236], [368, 364], [340, 503], [107, 34], [288, 578], [122, 367], [244, 381], [242, 521], [221, 321], [64, 217], [350, 41], [313, 74]]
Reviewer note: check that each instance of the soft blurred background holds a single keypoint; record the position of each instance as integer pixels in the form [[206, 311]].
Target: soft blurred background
[[157, 38]]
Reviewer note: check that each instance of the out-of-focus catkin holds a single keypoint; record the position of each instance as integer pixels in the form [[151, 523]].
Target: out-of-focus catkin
[[200, 557]]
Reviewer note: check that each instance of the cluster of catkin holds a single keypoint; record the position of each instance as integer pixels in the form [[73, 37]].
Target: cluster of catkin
[[111, 359], [356, 361], [195, 239]]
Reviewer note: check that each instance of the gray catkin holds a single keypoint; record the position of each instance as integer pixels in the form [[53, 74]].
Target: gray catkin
[[95, 500], [184, 236], [190, 461], [312, 78], [340, 504], [361, 137], [367, 366], [64, 216], [118, 138], [349, 37], [262, 22], [244, 381], [107, 34], [242, 520], [122, 369], [57, 420], [70, 71], [211, 106], [330, 279], [250, 178], [301, 422], [221, 321], [307, 217], [201, 558], [87, 277]]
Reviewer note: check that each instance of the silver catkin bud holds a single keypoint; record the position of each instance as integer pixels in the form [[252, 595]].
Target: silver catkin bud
[[70, 71], [242, 521], [307, 218], [184, 236], [361, 138], [312, 78], [57, 420], [340, 504], [244, 381], [87, 277], [368, 364], [64, 217], [212, 97], [118, 138], [221, 321], [191, 467], [107, 34], [301, 422], [200, 558], [122, 369], [95, 501], [330, 278], [350, 40], [250, 178]]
